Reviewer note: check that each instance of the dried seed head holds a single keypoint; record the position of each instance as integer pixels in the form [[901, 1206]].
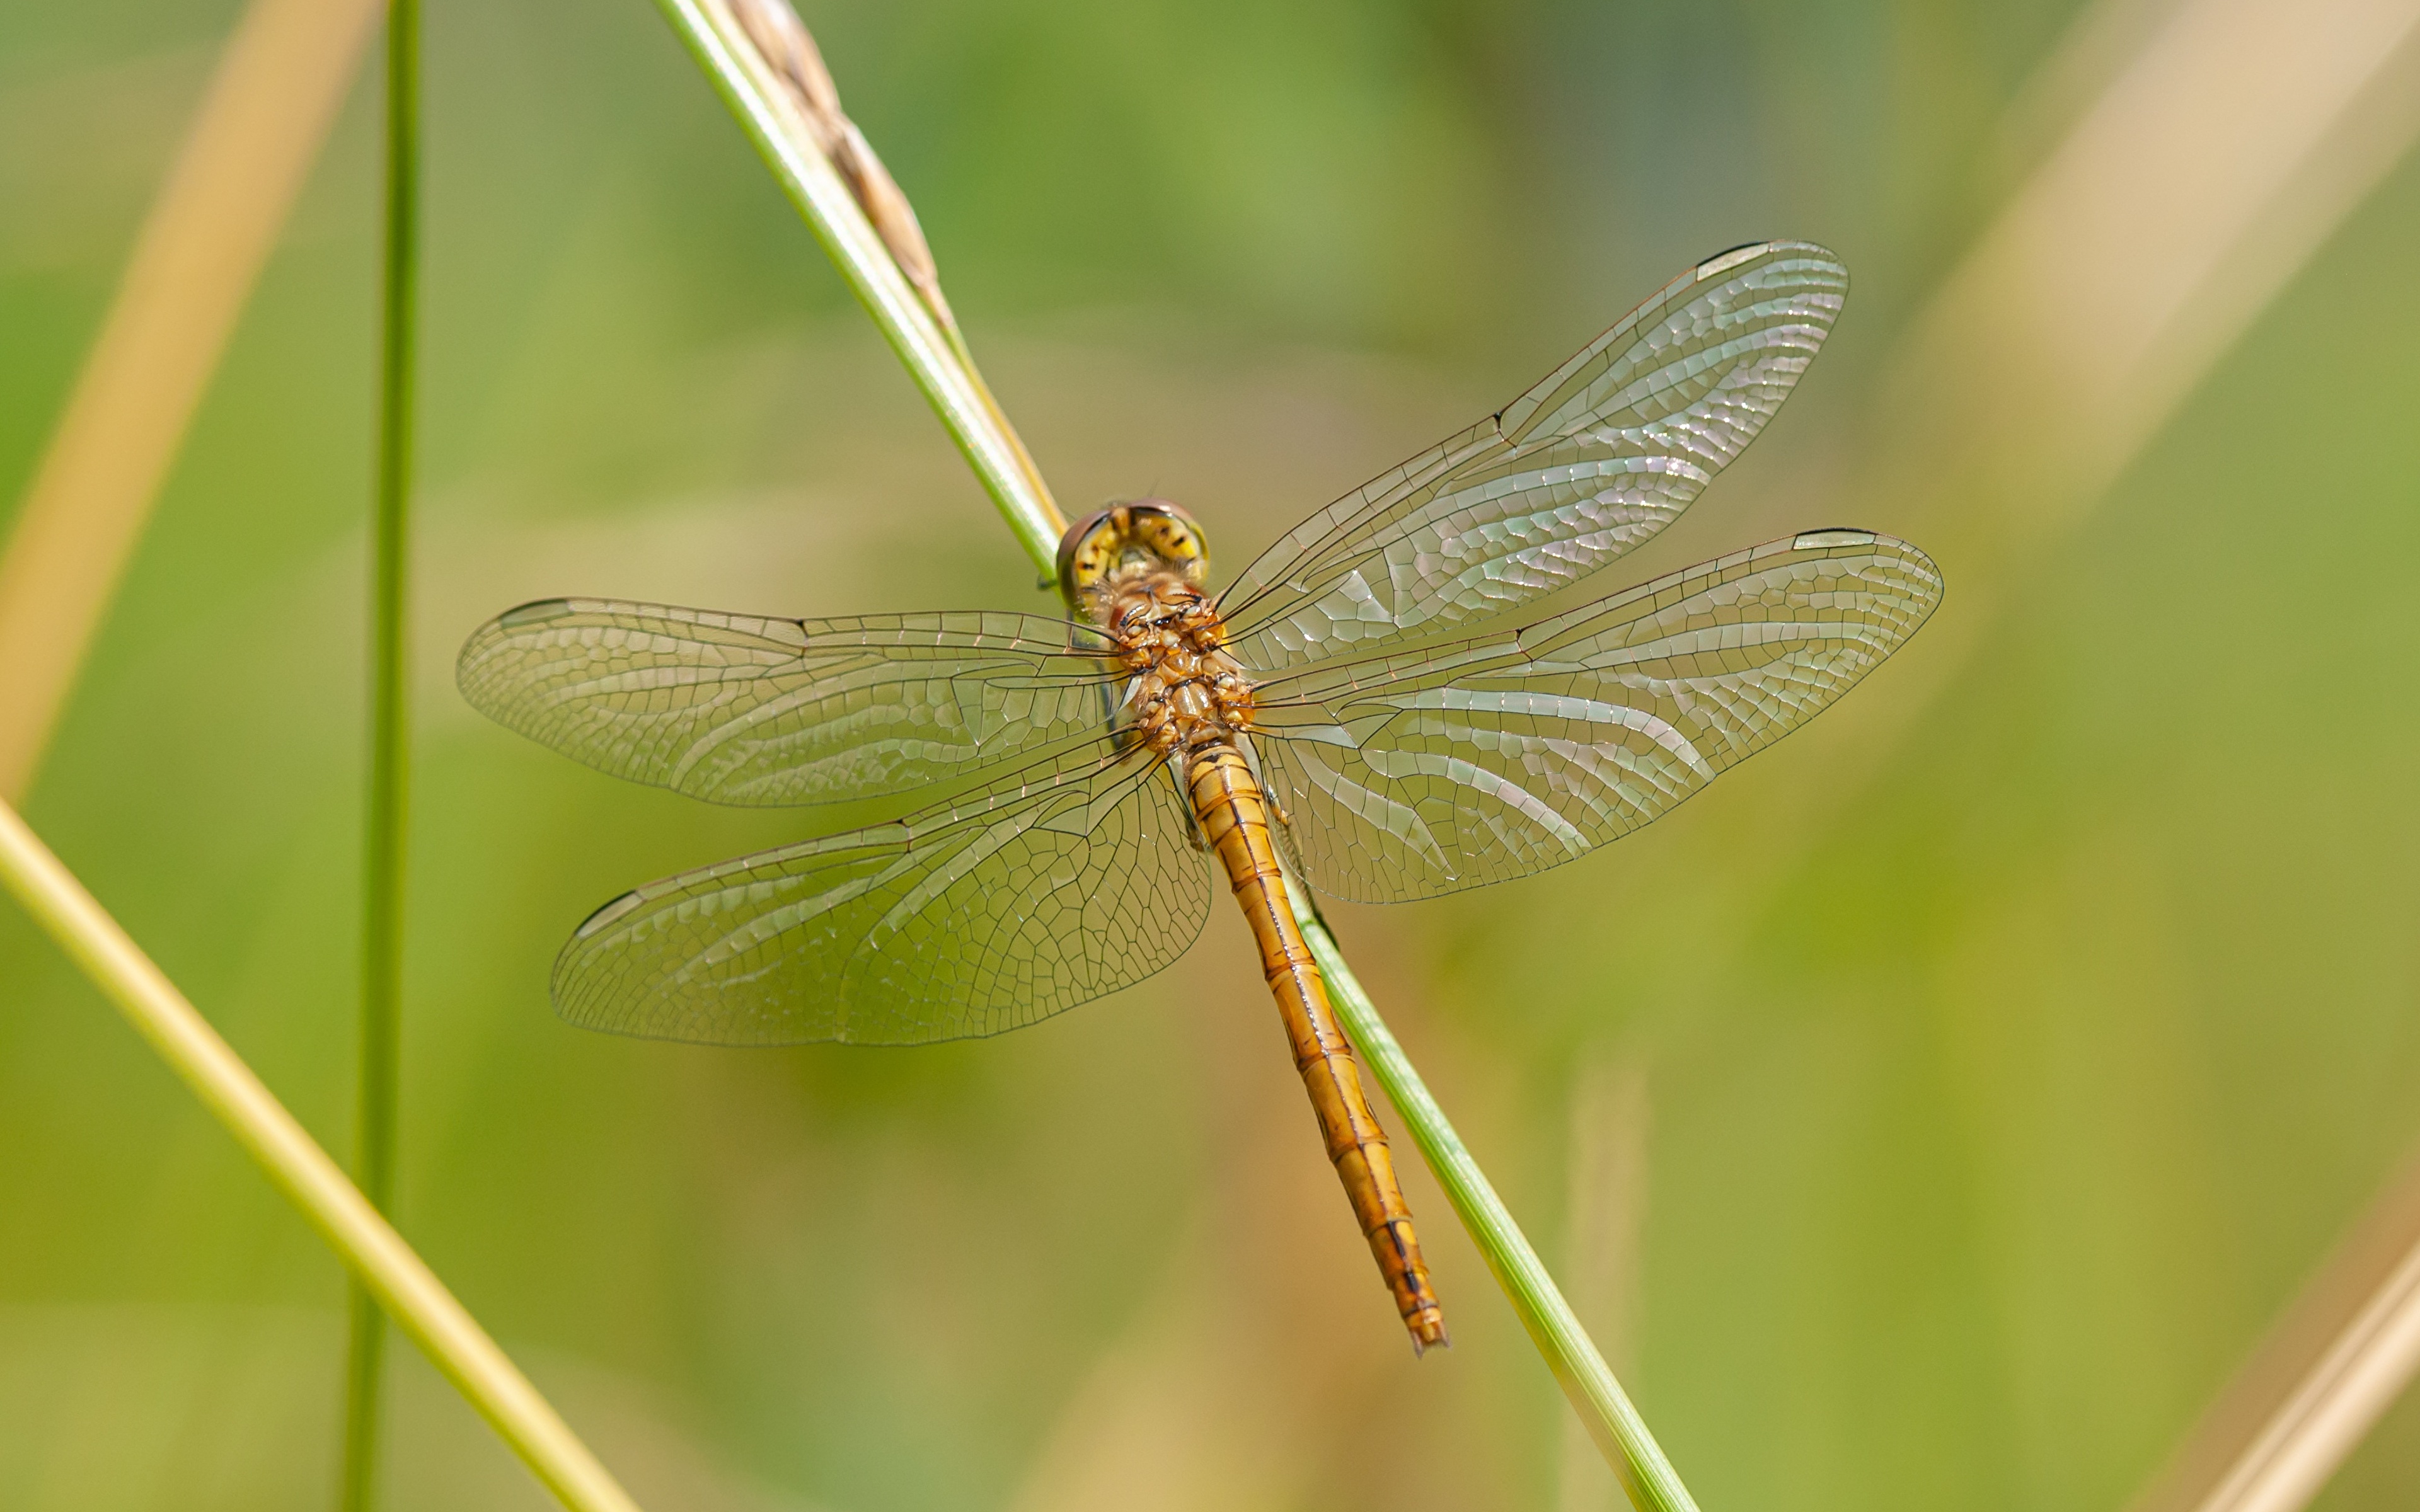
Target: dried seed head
[[887, 207], [783, 39]]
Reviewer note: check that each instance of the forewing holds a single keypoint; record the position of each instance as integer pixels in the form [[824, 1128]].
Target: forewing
[[1423, 774], [746, 710], [967, 919], [1600, 454]]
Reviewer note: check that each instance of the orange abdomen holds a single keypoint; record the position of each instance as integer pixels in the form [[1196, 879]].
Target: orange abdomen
[[1235, 818]]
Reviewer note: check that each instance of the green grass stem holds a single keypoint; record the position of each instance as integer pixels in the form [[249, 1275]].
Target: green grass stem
[[939, 363], [1587, 1382], [404, 1286], [390, 739]]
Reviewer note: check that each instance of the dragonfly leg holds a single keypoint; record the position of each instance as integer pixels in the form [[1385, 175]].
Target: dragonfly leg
[[1268, 798], [1193, 835]]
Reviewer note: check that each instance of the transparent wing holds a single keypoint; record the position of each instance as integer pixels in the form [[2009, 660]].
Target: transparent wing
[[1422, 773], [967, 920], [745, 710], [1604, 452]]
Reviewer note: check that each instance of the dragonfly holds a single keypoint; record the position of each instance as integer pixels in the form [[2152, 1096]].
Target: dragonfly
[[1348, 713]]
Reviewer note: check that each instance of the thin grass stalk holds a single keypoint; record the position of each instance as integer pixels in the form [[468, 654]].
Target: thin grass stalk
[[937, 358], [1620, 1434], [303, 1173], [390, 742]]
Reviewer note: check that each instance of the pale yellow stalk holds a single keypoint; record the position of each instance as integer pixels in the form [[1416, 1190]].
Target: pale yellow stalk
[[397, 1277]]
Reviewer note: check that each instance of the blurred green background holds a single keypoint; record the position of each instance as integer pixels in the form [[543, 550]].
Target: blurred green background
[[1948, 1146]]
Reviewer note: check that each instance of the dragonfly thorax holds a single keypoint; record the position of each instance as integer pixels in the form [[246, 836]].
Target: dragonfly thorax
[[1187, 693]]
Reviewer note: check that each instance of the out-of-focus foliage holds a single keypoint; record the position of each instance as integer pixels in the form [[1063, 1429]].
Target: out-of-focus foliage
[[1984, 1138]]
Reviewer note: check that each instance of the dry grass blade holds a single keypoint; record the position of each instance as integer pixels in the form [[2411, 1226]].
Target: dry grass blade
[[260, 128], [2337, 1359], [2335, 1407]]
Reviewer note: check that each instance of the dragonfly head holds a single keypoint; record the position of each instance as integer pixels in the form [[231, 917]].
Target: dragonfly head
[[1141, 535]]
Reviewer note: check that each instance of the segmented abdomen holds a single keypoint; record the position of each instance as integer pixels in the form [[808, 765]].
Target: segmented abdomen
[[1233, 816]]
